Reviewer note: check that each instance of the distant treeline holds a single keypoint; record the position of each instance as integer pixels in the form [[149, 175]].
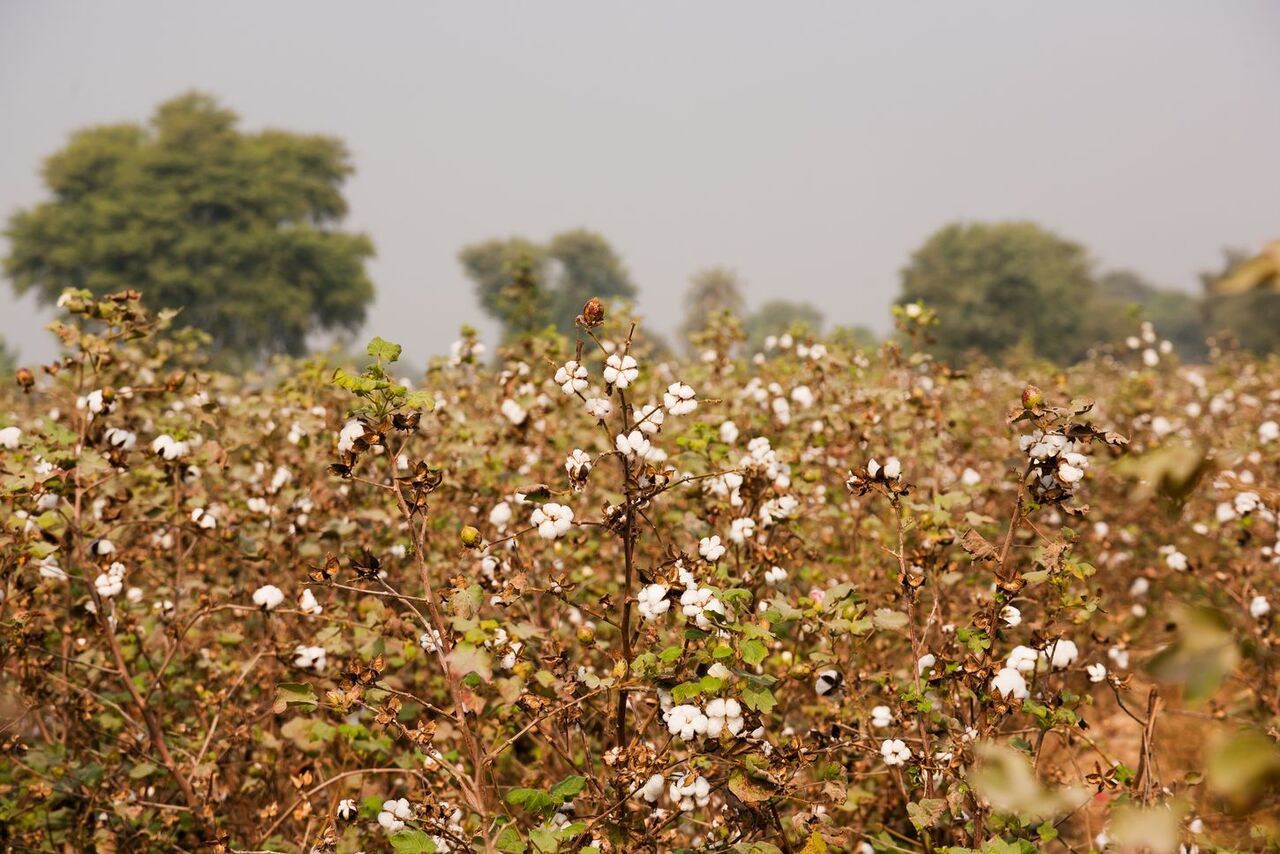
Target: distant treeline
[[242, 231]]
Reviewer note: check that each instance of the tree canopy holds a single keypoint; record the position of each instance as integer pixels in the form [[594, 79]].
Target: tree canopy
[[237, 229], [995, 286], [527, 286], [711, 292]]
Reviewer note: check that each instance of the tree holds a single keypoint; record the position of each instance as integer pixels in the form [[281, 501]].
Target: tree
[[509, 277], [553, 281], [239, 230], [711, 292], [995, 285], [1176, 315], [1241, 305], [778, 316]]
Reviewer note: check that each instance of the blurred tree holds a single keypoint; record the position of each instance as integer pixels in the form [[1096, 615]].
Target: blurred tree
[[855, 337], [1176, 315], [778, 316], [587, 267], [551, 283], [994, 285], [8, 360], [711, 292], [1247, 313], [236, 229], [509, 277]]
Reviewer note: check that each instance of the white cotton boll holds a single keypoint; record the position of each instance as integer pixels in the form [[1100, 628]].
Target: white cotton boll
[[969, 477], [652, 601], [10, 437], [347, 436], [1061, 654], [724, 716], [620, 371], [775, 575], [513, 412], [50, 569], [893, 469], [827, 682], [1022, 659], [925, 663], [1068, 473], [686, 722], [1177, 561], [571, 377], [873, 468], [169, 448], [742, 529], [802, 396], [599, 407], [697, 602], [430, 641], [881, 717], [204, 518], [120, 439], [552, 520], [500, 515], [1268, 431], [680, 399], [1010, 683], [648, 418], [1119, 657], [652, 788], [1259, 607], [1150, 358], [307, 603], [728, 432], [111, 582], [268, 597], [309, 658], [711, 548], [1139, 587], [895, 751], [1097, 672], [634, 444], [347, 809], [1011, 616]]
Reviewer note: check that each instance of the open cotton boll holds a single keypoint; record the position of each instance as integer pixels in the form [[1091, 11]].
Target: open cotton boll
[[268, 597], [895, 751], [1009, 682]]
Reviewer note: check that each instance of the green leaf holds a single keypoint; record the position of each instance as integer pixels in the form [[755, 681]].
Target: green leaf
[[467, 658], [142, 769], [568, 788], [383, 350], [420, 400], [509, 841], [889, 620], [300, 694], [754, 651], [412, 842], [758, 698]]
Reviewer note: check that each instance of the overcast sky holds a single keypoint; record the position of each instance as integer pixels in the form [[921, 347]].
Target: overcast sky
[[811, 146]]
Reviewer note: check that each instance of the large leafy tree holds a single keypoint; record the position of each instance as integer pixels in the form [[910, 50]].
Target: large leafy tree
[[239, 230], [1242, 300], [996, 286], [527, 286], [711, 292], [1176, 315]]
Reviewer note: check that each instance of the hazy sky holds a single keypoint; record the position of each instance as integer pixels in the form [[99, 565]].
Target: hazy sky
[[811, 146]]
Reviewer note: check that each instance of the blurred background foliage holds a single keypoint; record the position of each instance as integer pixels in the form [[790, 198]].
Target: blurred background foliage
[[242, 232]]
